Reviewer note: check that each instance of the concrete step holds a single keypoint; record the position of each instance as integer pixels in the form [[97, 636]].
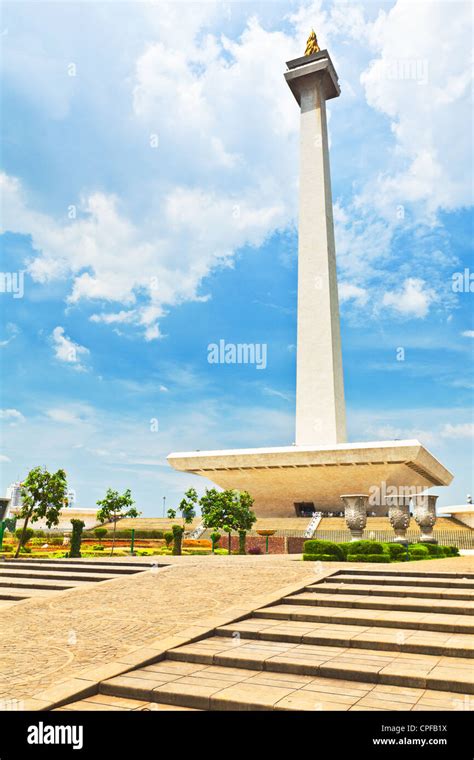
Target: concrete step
[[65, 566], [371, 602], [39, 573], [214, 687], [402, 580], [23, 593], [104, 702], [386, 667], [429, 621], [430, 592], [61, 585], [359, 637]]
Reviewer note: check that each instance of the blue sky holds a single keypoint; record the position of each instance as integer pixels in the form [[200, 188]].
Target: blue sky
[[149, 196]]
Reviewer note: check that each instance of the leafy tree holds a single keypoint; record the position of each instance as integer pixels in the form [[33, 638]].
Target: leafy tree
[[76, 538], [228, 510], [100, 534], [168, 536], [187, 506], [114, 507], [171, 513], [43, 495]]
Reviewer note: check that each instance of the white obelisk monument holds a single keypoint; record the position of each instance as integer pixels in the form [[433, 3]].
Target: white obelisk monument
[[314, 472], [320, 408]]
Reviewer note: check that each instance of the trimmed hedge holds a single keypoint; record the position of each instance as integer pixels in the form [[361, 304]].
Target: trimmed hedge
[[324, 547], [368, 558], [320, 558], [365, 547]]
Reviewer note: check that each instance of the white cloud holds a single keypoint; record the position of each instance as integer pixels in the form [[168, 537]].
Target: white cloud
[[424, 90], [413, 300], [4, 458], [462, 430], [71, 415], [350, 292], [66, 350], [13, 416], [468, 334]]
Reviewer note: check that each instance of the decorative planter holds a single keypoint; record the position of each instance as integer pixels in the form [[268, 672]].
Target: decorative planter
[[425, 516], [355, 512], [399, 516], [267, 534]]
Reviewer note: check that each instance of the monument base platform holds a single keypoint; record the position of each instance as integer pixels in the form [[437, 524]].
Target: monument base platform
[[280, 477]]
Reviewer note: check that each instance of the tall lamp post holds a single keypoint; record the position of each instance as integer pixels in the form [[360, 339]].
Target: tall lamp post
[[164, 505]]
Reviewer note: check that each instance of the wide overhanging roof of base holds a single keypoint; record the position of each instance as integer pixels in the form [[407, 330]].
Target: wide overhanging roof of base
[[410, 453]]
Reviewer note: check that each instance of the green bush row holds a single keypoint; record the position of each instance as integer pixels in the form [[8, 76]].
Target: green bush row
[[369, 551]]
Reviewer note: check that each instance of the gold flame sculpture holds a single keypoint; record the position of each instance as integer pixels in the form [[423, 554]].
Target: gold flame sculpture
[[312, 44]]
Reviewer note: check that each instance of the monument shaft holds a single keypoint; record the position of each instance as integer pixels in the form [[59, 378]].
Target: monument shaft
[[320, 408]]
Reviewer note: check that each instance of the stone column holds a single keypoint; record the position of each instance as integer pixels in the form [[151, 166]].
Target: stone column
[[320, 408], [399, 516], [425, 516], [355, 512]]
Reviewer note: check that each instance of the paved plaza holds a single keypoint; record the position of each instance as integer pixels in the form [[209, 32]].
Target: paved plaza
[[51, 639]]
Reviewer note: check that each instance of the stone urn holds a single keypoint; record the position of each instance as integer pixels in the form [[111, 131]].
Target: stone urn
[[355, 512], [399, 516], [425, 516]]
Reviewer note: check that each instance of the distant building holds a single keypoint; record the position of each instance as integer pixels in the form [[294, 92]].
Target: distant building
[[14, 494], [71, 497]]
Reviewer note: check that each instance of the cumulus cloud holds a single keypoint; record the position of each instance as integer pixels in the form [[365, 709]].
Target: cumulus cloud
[[462, 430], [225, 142], [468, 333], [13, 416], [65, 350], [350, 292], [413, 300]]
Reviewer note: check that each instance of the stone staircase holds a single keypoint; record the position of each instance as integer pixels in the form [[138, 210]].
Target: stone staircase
[[355, 640], [33, 578]]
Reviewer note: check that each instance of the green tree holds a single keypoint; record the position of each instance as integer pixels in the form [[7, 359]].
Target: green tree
[[76, 538], [187, 506], [43, 495], [114, 507], [171, 514], [228, 510]]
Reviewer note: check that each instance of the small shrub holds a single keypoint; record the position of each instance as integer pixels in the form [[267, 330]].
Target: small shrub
[[255, 550], [98, 548], [178, 531], [344, 548], [39, 534], [7, 548], [29, 533], [450, 551], [56, 540], [418, 551], [168, 536], [397, 552], [369, 558], [100, 534], [320, 558], [324, 547], [365, 547]]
